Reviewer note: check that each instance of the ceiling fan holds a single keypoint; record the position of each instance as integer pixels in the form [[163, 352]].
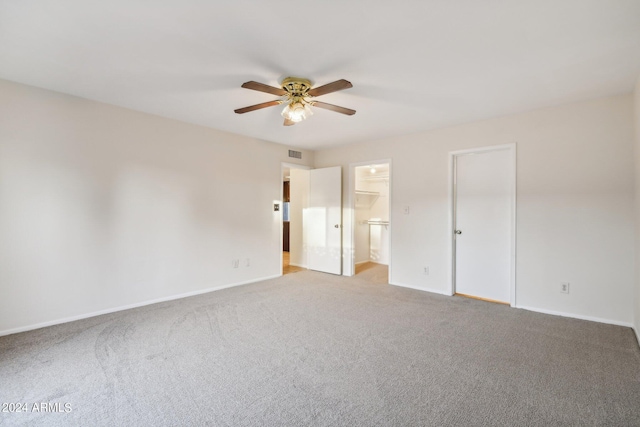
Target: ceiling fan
[[298, 96]]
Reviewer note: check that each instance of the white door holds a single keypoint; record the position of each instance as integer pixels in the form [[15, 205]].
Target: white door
[[323, 220], [483, 208]]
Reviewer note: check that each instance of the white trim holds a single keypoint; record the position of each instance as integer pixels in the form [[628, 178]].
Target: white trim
[[637, 334], [372, 262], [298, 265], [431, 290], [130, 306], [352, 209], [295, 166], [451, 245], [514, 215], [577, 316], [537, 310]]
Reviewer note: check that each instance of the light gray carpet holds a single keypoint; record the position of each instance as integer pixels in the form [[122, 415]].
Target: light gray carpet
[[322, 350]]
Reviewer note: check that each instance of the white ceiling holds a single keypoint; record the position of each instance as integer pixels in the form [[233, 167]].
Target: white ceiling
[[415, 65]]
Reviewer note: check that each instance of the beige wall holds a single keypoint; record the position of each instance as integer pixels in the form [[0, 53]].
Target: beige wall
[[575, 192], [636, 120], [103, 207]]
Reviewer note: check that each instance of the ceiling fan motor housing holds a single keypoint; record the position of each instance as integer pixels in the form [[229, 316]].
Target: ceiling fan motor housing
[[296, 86]]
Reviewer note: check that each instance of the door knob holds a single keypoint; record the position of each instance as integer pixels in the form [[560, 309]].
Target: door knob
[[458, 231]]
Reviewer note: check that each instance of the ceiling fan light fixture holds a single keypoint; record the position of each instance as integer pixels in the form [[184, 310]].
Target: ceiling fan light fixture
[[297, 111], [298, 96]]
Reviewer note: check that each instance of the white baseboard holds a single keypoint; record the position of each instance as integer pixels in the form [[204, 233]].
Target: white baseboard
[[577, 316], [538, 310], [432, 290], [371, 261], [130, 306], [637, 331], [297, 265]]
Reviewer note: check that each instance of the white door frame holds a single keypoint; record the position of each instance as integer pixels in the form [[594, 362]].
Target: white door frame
[[352, 212], [452, 213], [284, 165]]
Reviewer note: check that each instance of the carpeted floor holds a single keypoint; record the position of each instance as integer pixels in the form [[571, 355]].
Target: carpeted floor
[[315, 349]]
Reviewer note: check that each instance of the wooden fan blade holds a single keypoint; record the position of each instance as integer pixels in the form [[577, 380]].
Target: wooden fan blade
[[330, 87], [288, 122], [264, 88], [337, 109], [256, 107]]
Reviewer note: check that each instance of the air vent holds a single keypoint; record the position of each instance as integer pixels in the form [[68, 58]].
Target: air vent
[[295, 154]]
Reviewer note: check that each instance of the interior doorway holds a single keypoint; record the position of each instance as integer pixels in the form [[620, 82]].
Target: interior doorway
[[293, 193], [311, 219], [371, 216], [483, 232]]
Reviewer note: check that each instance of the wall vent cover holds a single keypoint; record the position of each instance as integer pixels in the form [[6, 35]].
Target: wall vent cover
[[295, 154]]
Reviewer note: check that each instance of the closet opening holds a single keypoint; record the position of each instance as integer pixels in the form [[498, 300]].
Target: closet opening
[[371, 218]]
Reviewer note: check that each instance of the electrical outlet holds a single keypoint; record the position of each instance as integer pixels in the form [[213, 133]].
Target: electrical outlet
[[405, 210], [564, 287], [426, 271], [235, 263]]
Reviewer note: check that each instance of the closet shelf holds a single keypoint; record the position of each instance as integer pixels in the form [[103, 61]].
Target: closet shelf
[[376, 178], [365, 199], [370, 222]]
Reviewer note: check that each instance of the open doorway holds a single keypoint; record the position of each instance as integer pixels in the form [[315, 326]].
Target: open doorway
[[312, 226], [371, 217], [294, 194]]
